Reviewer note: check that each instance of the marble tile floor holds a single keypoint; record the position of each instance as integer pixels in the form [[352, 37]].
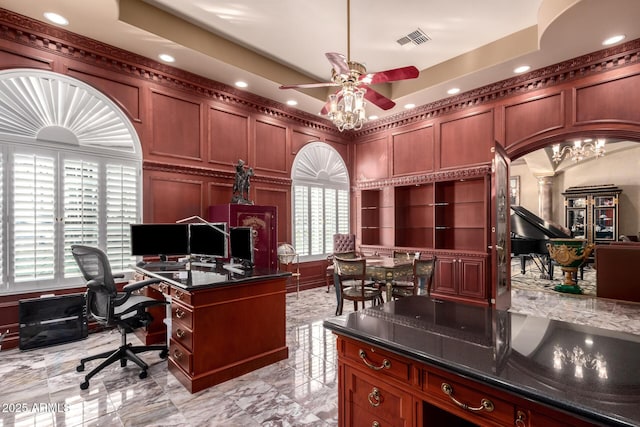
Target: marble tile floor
[[41, 387]]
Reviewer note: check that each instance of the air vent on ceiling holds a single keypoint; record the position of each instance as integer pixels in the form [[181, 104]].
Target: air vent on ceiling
[[416, 37]]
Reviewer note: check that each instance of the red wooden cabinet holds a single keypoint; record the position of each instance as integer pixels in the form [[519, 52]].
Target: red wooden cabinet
[[264, 222]]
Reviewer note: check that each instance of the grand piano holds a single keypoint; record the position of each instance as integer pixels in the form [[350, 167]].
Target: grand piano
[[529, 237]]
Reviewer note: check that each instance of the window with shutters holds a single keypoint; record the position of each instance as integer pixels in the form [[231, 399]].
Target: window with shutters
[[66, 177], [320, 200]]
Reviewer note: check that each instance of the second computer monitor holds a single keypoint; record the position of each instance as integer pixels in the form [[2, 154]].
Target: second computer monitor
[[209, 240], [241, 242]]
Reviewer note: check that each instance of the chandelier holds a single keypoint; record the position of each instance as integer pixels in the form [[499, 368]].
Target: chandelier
[[346, 107], [580, 150]]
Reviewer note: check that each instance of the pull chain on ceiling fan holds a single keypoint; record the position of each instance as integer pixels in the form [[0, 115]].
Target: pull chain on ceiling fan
[[346, 107]]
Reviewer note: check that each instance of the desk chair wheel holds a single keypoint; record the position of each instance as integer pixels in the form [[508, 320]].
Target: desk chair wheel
[[84, 385], [143, 374], [164, 353], [80, 368], [123, 362]]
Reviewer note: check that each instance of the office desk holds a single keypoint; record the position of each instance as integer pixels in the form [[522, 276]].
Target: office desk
[[223, 324]]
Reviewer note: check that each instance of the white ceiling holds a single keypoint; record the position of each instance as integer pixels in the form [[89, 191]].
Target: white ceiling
[[272, 42]]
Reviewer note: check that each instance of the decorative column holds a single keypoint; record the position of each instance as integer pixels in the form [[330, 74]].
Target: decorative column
[[545, 197]]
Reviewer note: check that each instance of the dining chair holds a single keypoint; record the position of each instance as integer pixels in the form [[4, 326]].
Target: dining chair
[[353, 285], [420, 282]]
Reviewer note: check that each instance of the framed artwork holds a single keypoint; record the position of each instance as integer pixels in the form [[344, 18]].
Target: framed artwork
[[514, 190]]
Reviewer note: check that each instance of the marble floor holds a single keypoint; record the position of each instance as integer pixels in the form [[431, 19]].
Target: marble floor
[[41, 387]]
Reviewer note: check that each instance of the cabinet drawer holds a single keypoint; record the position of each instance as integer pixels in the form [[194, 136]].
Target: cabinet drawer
[[475, 402], [377, 360], [180, 295], [182, 314], [181, 356], [363, 417], [381, 401], [182, 334]]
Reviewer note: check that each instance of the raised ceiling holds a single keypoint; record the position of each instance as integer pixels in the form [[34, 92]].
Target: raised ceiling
[[272, 42]]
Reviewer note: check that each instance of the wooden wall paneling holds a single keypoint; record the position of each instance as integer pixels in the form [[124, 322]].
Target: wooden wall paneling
[[371, 159], [124, 91], [176, 126], [270, 147], [532, 116], [466, 140], [170, 197], [22, 57], [228, 136], [280, 198], [300, 138], [412, 151], [219, 194], [610, 101]]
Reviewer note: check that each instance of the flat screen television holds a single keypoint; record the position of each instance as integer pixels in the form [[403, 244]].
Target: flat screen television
[[159, 239], [208, 240], [241, 245]]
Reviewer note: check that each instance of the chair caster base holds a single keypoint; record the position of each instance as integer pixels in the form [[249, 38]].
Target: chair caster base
[[80, 368], [142, 375], [84, 385], [164, 353]]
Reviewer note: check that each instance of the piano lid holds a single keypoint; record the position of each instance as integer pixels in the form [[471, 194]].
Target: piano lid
[[525, 224]]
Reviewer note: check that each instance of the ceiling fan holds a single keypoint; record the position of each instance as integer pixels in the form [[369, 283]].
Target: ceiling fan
[[346, 107]]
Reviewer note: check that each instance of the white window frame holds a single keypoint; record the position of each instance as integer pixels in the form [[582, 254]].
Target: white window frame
[[318, 168], [54, 115]]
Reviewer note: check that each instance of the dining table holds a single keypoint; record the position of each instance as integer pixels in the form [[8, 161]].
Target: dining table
[[384, 270]]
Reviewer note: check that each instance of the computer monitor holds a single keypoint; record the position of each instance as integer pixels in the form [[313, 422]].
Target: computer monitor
[[159, 239], [241, 244], [208, 239]]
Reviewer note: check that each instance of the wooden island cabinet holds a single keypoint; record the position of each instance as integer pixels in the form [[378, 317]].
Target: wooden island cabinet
[[419, 362]]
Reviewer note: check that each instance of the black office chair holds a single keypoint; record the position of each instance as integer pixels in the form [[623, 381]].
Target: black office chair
[[109, 307]]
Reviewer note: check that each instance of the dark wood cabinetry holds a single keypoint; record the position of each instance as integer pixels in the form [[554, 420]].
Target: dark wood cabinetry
[[377, 387], [448, 218], [264, 222]]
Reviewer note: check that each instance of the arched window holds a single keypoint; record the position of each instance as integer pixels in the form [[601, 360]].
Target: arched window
[[320, 199], [70, 167]]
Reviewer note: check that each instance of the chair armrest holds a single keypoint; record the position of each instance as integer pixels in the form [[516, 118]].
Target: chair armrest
[[130, 287]]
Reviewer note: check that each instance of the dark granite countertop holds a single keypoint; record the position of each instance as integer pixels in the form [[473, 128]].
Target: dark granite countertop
[[591, 372], [199, 277]]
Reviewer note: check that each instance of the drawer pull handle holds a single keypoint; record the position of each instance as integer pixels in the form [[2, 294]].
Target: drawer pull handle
[[374, 398], [179, 296], [179, 333], [386, 364], [177, 354], [521, 419], [179, 313], [485, 404]]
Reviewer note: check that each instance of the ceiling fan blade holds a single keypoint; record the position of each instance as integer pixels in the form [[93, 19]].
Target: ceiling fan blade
[[403, 73], [308, 85], [379, 99], [338, 62]]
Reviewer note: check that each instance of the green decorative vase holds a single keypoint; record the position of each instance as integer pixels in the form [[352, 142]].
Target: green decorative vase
[[570, 254]]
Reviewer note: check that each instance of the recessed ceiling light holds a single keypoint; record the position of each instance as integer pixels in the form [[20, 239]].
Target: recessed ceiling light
[[56, 19], [292, 102], [409, 106], [166, 58], [453, 90], [240, 83], [522, 69], [373, 117], [613, 40]]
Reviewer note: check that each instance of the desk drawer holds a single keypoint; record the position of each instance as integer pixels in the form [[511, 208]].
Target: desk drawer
[[380, 401], [182, 314], [479, 403], [181, 295], [378, 361], [181, 356], [182, 334]]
